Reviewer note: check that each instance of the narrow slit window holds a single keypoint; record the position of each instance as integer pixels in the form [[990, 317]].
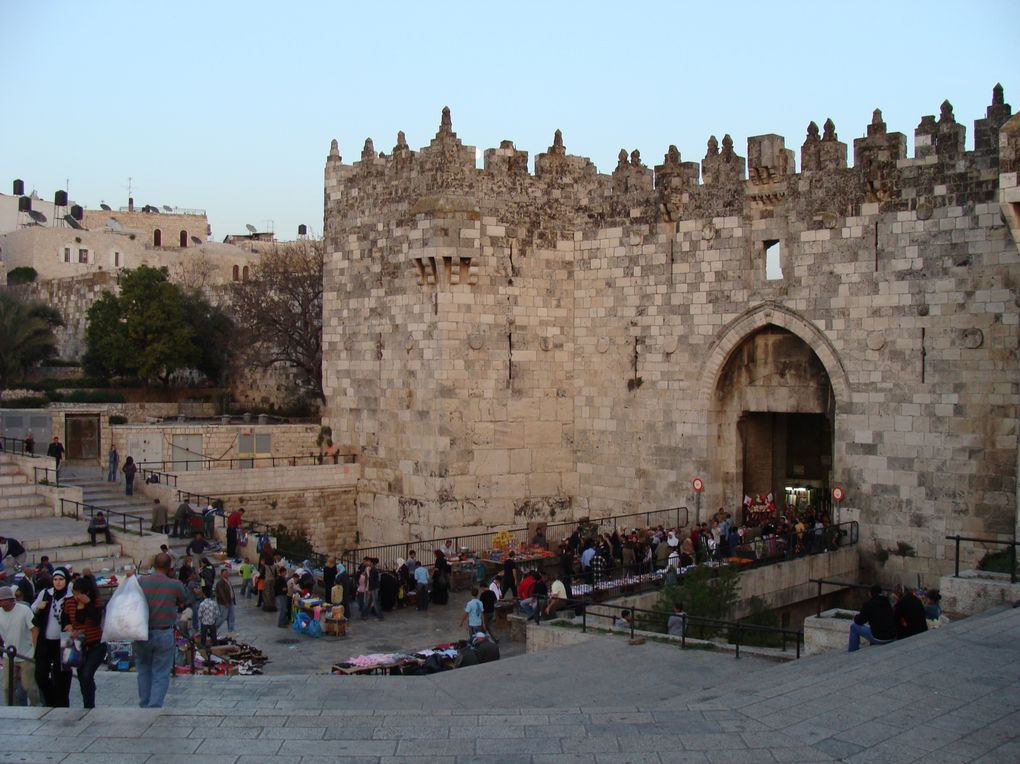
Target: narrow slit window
[[773, 259]]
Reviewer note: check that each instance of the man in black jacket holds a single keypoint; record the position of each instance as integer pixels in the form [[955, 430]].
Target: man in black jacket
[[875, 622]]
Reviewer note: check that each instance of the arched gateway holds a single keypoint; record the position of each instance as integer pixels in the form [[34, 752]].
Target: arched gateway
[[771, 386]]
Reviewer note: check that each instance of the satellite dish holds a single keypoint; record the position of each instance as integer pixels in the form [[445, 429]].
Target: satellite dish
[[195, 240], [69, 219], [251, 228], [113, 225], [105, 207], [167, 208], [37, 216]]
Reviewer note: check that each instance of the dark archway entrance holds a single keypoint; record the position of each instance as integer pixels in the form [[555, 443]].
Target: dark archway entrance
[[772, 422]]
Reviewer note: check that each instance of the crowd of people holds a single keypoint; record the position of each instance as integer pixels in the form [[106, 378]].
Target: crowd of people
[[48, 606], [36, 615]]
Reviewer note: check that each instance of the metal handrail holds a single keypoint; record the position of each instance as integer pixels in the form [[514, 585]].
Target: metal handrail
[[388, 553], [1011, 544], [6, 443], [91, 509], [248, 462], [735, 627], [46, 476], [164, 477], [842, 584], [787, 546]]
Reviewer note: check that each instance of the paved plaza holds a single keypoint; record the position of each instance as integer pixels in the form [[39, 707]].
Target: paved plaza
[[951, 695]]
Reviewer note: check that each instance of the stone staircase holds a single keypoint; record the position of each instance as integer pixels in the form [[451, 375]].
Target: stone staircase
[[99, 492], [26, 516], [18, 496]]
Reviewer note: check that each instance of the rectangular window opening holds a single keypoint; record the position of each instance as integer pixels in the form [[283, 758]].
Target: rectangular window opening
[[67, 254], [773, 259], [83, 256]]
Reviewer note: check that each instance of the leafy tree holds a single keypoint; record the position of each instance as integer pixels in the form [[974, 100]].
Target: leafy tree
[[214, 331], [141, 332], [26, 336], [280, 310], [152, 330]]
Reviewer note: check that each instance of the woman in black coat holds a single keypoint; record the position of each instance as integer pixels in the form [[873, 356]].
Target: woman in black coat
[[441, 580]]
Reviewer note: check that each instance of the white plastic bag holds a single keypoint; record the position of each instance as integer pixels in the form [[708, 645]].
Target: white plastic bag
[[127, 614]]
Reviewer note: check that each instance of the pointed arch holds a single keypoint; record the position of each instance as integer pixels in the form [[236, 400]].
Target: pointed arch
[[737, 330]]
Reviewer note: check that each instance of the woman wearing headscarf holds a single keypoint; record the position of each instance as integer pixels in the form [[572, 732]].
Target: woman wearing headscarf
[[54, 682]]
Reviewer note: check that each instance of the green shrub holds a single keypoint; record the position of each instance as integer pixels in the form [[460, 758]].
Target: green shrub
[[294, 545], [22, 275], [998, 562], [84, 396], [706, 593], [25, 402], [760, 615], [118, 419]]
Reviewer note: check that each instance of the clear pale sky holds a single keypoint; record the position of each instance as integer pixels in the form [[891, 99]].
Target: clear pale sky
[[230, 106]]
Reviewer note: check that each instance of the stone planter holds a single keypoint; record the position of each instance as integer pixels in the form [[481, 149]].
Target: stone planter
[[976, 591]]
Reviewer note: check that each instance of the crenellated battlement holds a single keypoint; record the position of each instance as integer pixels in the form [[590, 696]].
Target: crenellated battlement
[[570, 191]]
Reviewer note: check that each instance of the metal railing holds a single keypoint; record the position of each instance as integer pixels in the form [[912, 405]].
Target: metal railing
[[45, 479], [80, 509], [707, 626], [841, 584], [765, 550], [10, 654], [245, 462], [675, 517], [1012, 552], [163, 211], [201, 500], [169, 478], [17, 446]]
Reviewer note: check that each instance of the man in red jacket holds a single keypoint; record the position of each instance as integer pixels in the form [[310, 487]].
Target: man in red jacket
[[234, 521]]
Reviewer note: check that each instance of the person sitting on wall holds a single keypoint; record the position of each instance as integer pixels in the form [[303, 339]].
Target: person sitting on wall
[[909, 613], [875, 622], [99, 524]]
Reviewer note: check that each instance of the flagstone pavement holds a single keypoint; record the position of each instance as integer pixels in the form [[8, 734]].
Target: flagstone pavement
[[951, 695]]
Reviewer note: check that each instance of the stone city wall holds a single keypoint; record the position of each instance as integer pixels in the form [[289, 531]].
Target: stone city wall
[[500, 345], [155, 443], [319, 501]]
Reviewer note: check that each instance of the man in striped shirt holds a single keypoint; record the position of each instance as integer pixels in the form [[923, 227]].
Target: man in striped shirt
[[154, 658]]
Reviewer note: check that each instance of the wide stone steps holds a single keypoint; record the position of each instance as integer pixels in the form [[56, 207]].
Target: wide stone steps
[[26, 510], [17, 489]]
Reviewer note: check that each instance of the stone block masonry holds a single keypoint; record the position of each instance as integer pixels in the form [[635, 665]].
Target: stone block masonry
[[501, 346]]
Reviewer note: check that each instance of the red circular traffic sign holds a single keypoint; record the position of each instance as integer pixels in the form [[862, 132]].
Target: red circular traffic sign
[[837, 493], [698, 484]]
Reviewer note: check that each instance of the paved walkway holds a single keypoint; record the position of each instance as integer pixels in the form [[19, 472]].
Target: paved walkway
[[951, 695]]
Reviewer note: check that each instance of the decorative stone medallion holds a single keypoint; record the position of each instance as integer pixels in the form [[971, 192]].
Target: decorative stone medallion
[[972, 339]]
